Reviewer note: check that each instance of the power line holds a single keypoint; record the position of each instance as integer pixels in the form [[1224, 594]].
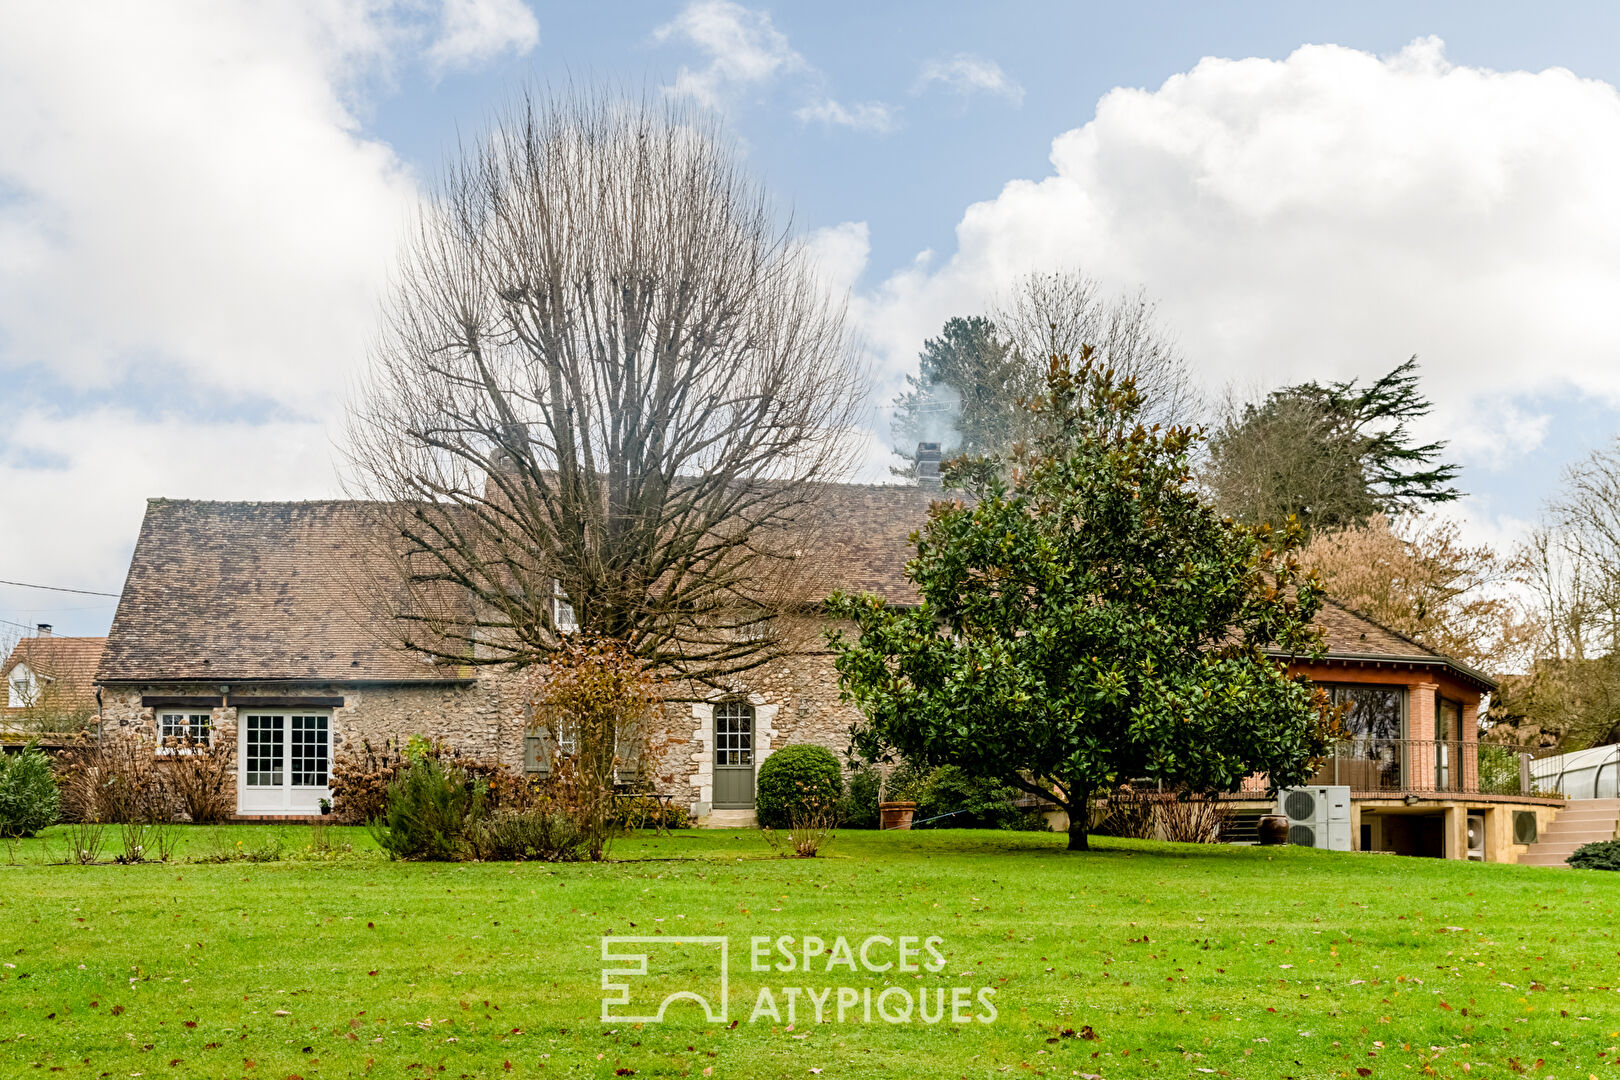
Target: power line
[[58, 588], [25, 626]]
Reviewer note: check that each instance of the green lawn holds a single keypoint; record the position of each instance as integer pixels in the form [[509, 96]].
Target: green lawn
[[1176, 961]]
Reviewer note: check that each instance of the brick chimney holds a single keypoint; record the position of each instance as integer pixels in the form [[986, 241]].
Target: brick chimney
[[927, 465]]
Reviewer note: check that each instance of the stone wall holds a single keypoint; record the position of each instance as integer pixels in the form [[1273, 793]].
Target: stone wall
[[481, 718], [795, 701]]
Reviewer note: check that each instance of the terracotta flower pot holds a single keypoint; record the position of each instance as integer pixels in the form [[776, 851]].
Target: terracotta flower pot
[[1273, 829], [896, 815]]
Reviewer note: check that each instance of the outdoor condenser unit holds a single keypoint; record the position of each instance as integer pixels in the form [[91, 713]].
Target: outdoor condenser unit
[[1318, 817], [1476, 837]]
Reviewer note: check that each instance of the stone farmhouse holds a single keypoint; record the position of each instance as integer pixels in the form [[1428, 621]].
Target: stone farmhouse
[[238, 622]]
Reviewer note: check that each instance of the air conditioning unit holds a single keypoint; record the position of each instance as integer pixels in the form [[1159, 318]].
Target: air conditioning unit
[[1476, 838], [1524, 826], [1318, 817]]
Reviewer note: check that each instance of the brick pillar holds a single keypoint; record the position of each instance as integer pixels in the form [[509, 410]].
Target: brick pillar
[[1420, 720], [1469, 748]]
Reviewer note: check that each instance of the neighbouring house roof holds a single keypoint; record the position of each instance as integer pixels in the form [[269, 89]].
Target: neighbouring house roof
[[227, 591], [224, 591], [68, 662]]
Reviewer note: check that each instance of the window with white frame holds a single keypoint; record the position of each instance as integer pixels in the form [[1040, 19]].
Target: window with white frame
[[182, 727], [562, 612]]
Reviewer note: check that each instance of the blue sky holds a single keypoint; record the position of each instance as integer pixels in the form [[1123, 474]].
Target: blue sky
[[198, 208]]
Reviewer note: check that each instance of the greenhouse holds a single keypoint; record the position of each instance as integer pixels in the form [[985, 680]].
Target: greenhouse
[[1580, 774]]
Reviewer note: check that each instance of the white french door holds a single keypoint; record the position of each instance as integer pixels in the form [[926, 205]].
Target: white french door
[[282, 762]]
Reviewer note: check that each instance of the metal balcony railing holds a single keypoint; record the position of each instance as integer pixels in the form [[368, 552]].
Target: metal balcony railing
[[1401, 766]]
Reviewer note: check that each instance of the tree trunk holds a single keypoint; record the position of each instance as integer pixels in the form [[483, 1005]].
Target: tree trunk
[[1077, 835], [1079, 818]]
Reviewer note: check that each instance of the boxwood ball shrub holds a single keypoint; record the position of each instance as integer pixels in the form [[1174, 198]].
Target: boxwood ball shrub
[[28, 795], [1599, 855], [791, 779]]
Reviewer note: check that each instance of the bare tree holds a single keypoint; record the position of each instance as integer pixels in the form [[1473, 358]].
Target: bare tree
[[1058, 311], [1570, 564], [975, 379], [1585, 521], [608, 389]]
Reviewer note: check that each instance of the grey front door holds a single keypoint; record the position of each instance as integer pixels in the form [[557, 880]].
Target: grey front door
[[733, 756]]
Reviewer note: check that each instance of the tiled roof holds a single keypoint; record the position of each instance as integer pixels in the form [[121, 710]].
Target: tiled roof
[[863, 538], [251, 590], [1352, 633], [69, 661], [245, 590]]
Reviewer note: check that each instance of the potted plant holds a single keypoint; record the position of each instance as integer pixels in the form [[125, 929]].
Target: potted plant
[[897, 804], [896, 814], [326, 807]]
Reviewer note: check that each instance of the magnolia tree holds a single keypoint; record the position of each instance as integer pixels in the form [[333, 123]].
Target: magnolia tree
[[1085, 619]]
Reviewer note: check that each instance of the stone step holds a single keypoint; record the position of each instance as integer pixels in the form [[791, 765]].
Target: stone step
[[1575, 832], [1558, 852], [1575, 836], [729, 819]]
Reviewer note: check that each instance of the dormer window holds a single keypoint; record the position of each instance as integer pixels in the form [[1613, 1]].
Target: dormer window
[[22, 687], [562, 612]]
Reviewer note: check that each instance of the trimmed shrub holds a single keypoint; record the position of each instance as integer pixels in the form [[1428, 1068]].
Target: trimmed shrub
[[860, 807], [28, 795], [1599, 855], [795, 779]]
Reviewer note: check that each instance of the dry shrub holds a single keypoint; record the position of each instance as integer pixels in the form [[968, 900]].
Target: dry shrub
[[113, 782], [201, 779], [811, 820], [359, 780], [121, 782], [1192, 819], [595, 691], [1162, 815], [1127, 813]]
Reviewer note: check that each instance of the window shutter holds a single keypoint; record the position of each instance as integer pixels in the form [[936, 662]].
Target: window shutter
[[536, 755]]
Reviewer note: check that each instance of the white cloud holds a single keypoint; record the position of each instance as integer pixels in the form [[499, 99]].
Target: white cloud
[[746, 52], [474, 31], [1325, 216], [967, 74], [108, 461], [862, 116], [840, 253], [191, 211], [743, 47], [190, 185]]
